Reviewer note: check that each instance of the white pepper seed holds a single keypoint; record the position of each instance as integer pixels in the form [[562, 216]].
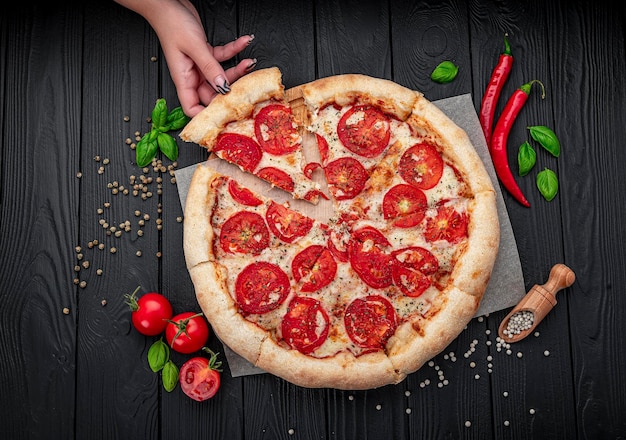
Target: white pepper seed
[[518, 322], [468, 423]]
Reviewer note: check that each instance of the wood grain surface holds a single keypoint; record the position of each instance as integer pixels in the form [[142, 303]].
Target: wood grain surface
[[79, 81]]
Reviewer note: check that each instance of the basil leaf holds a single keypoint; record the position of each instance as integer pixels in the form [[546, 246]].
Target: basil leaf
[[170, 376], [168, 146], [177, 119], [146, 149], [526, 158], [445, 72], [547, 138], [548, 184], [158, 355], [159, 114]]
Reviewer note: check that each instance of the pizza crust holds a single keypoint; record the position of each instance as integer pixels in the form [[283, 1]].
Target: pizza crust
[[258, 86], [345, 89]]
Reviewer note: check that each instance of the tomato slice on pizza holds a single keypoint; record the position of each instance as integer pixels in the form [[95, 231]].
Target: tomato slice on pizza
[[305, 326], [370, 321]]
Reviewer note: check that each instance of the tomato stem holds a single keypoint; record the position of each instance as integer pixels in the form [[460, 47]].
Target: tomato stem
[[131, 300]]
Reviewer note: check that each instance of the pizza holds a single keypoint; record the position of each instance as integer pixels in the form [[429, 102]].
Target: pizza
[[367, 295]]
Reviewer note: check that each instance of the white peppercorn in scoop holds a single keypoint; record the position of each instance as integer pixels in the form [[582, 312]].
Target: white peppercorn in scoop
[[539, 301]]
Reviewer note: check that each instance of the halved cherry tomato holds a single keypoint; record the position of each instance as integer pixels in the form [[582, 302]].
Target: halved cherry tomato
[[421, 166], [187, 332], [245, 233], [241, 150], [346, 177], [275, 130], [200, 377], [370, 321], [261, 287], [315, 266], [242, 195], [448, 225], [277, 178], [405, 205], [305, 326], [287, 224], [364, 130], [149, 313]]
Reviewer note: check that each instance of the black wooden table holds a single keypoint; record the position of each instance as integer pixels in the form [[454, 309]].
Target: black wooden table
[[77, 84]]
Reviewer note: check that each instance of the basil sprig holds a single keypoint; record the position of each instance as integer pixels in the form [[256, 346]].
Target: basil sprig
[[159, 360], [158, 137], [445, 72]]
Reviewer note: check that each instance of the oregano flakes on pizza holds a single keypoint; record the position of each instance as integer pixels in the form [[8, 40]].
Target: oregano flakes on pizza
[[395, 273]]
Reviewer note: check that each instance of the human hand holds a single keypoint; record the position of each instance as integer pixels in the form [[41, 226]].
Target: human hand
[[194, 64]]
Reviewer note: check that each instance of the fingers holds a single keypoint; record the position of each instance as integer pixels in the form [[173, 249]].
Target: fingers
[[244, 66], [229, 50]]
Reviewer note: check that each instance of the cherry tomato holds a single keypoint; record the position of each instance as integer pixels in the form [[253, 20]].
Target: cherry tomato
[[275, 130], [187, 332], [421, 166], [242, 195], [244, 233], [346, 177], [261, 287], [200, 377], [370, 321], [277, 178], [287, 224], [364, 130], [448, 225], [238, 149], [405, 205], [150, 312]]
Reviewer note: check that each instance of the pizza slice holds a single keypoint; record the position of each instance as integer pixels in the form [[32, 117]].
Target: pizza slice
[[253, 128]]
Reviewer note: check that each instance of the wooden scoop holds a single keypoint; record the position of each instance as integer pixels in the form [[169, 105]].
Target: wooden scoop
[[538, 301]]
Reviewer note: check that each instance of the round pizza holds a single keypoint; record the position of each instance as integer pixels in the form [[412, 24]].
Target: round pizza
[[389, 279]]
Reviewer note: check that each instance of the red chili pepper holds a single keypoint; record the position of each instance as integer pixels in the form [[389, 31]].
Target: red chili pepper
[[499, 76], [500, 138]]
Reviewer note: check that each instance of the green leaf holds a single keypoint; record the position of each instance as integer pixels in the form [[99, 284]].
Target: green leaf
[[445, 72], [526, 158], [159, 114], [146, 149], [170, 376], [548, 184], [547, 138], [177, 119], [168, 146], [158, 355]]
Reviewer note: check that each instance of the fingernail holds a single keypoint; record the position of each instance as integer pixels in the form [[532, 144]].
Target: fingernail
[[252, 65], [251, 38], [221, 84]]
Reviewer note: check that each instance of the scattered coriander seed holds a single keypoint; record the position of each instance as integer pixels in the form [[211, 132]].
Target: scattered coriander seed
[[100, 211], [76, 281], [113, 250], [106, 161], [126, 118], [83, 284], [79, 256], [79, 174], [138, 253], [129, 141], [137, 213], [159, 254], [77, 268], [86, 264], [118, 233], [96, 158], [140, 233], [107, 204], [101, 170], [95, 241], [99, 272], [101, 246], [103, 302], [179, 219], [90, 245], [66, 311], [153, 58]]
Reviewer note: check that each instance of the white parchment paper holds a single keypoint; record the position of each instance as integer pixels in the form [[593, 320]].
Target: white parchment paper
[[506, 286]]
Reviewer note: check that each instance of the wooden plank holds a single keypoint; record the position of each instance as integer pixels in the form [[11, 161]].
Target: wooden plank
[[40, 158], [587, 56], [119, 81]]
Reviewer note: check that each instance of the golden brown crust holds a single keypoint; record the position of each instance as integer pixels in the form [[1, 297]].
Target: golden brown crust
[[197, 231], [258, 86], [345, 89]]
